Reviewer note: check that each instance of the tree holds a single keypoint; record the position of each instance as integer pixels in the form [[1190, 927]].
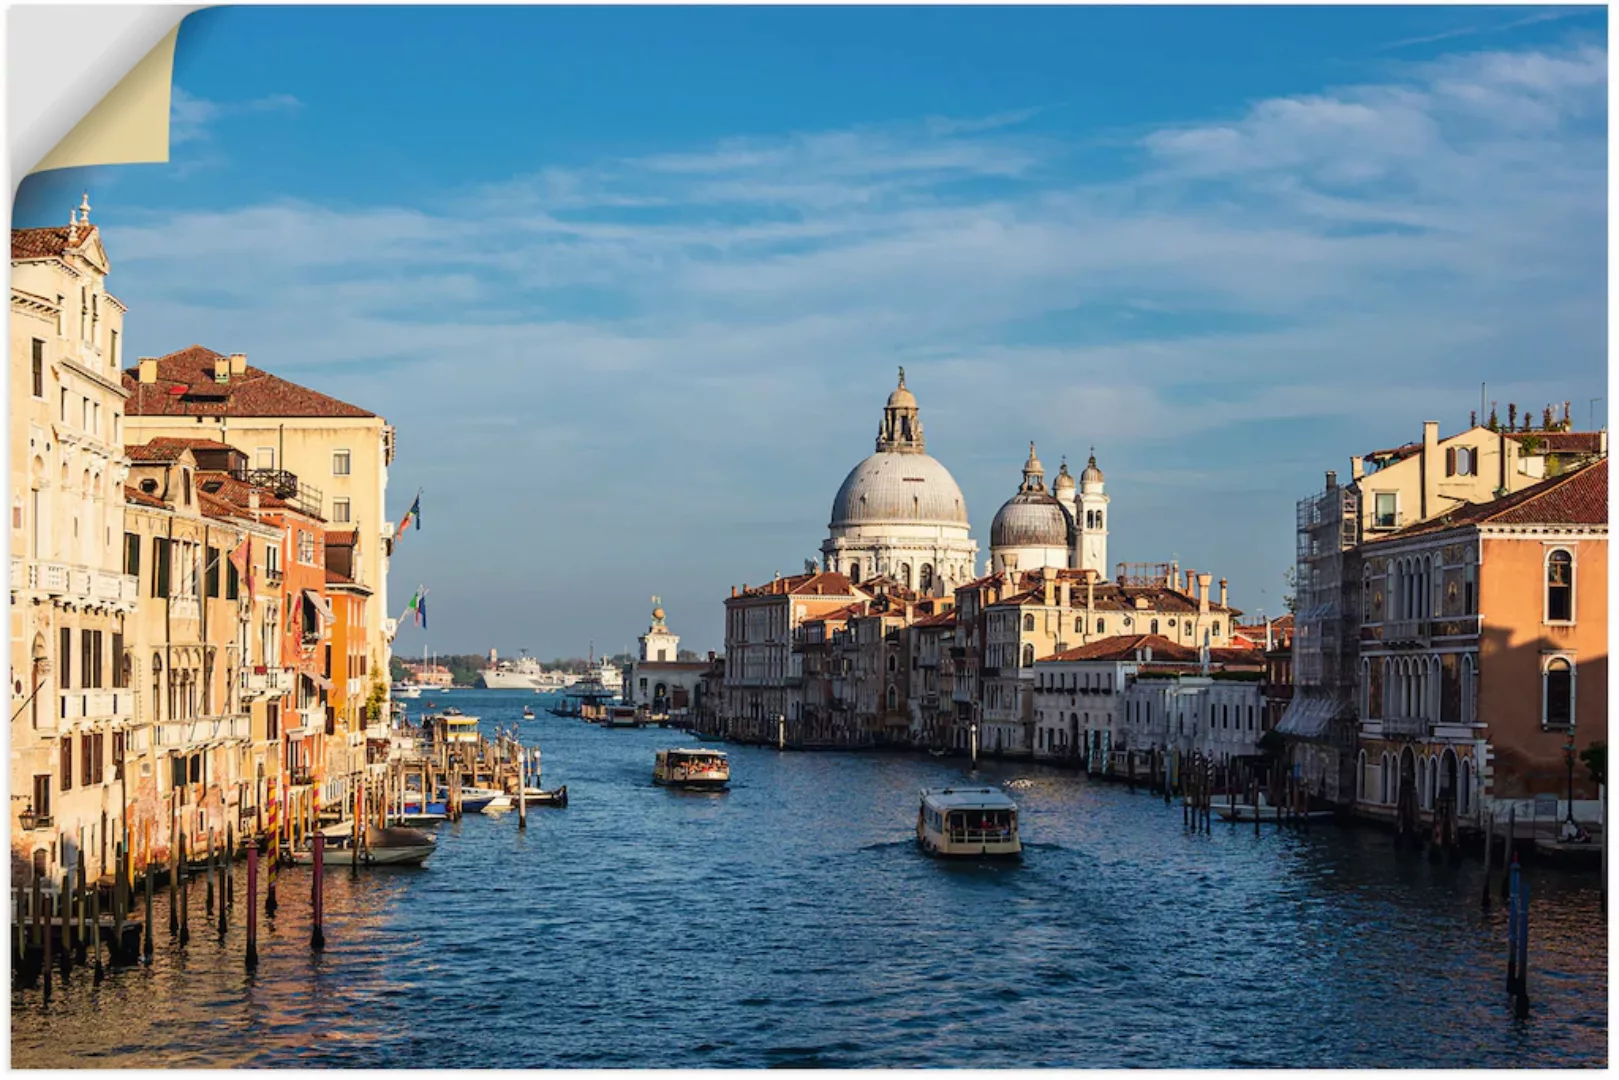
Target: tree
[[1595, 757], [1290, 596]]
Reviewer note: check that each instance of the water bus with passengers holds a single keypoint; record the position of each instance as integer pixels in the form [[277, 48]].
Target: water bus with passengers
[[976, 822], [690, 768]]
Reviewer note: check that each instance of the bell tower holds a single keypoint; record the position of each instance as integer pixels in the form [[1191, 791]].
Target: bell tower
[[1090, 521]]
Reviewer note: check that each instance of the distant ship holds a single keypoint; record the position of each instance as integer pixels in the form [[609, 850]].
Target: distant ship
[[524, 673]]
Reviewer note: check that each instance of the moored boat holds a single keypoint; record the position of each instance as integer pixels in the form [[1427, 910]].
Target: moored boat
[[557, 797], [622, 716], [980, 821], [383, 847], [692, 768]]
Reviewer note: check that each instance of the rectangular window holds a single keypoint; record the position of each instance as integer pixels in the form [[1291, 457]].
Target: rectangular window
[[177, 773], [39, 368], [67, 764], [120, 679], [42, 796], [272, 721], [64, 659], [118, 755], [63, 416], [233, 581], [212, 583], [340, 462], [1385, 510], [112, 348], [306, 547], [87, 757], [160, 566], [87, 678], [340, 511]]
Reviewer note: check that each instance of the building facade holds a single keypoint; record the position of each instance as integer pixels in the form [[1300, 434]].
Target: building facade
[[337, 454], [70, 597], [1484, 652]]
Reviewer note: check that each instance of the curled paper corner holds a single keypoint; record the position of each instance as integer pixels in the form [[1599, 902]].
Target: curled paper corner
[[130, 124]]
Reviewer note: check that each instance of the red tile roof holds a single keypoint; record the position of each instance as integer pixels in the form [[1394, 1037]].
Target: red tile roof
[[185, 387], [943, 618], [1577, 497], [238, 493], [1562, 442], [48, 242], [153, 453], [1125, 647], [135, 495], [334, 578]]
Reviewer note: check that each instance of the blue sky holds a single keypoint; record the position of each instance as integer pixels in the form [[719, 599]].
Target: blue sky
[[633, 283]]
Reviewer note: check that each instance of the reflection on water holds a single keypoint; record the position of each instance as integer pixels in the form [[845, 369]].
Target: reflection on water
[[792, 922]]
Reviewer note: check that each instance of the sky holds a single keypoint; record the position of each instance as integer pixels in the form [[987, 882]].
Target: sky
[[632, 284]]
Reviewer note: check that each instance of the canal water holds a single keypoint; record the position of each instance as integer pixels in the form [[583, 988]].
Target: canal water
[[791, 921]]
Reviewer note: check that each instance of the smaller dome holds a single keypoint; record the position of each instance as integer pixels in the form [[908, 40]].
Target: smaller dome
[[1033, 464], [1091, 475], [902, 398], [1030, 519], [1065, 479]]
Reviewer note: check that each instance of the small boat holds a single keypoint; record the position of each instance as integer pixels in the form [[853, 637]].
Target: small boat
[[406, 690], [557, 797], [416, 818], [499, 804], [383, 847], [622, 716], [459, 727], [968, 822], [692, 768], [1245, 812], [528, 713]]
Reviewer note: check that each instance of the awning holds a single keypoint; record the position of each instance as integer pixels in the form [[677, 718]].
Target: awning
[[319, 680], [322, 606], [1308, 717]]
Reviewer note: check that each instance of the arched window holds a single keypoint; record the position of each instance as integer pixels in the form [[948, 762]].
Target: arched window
[[1560, 586], [157, 686], [854, 570], [1557, 693], [893, 698], [1464, 798], [1100, 625], [1469, 689], [905, 575], [1079, 625], [926, 579], [1154, 626], [891, 663], [1216, 627], [1028, 656], [1099, 519]]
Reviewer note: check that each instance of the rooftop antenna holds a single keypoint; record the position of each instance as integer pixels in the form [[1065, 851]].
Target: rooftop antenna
[[1481, 395]]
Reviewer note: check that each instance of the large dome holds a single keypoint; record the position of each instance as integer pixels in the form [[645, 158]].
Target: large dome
[[895, 487], [1030, 519]]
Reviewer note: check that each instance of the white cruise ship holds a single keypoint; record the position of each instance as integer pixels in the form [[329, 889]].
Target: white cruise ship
[[524, 673]]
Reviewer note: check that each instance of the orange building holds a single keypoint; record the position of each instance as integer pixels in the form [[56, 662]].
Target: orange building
[[1484, 652], [346, 665]]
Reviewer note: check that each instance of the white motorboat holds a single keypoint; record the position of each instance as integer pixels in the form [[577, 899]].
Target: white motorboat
[[406, 690], [980, 821], [383, 847]]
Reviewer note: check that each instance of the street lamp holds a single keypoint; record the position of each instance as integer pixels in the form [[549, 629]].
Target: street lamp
[[27, 818], [1568, 757]]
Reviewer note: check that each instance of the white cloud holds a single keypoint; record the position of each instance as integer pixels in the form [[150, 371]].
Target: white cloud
[[191, 117]]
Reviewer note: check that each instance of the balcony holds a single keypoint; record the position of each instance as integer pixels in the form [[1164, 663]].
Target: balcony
[[77, 583], [285, 486], [266, 682], [1415, 727], [189, 734], [1406, 630]]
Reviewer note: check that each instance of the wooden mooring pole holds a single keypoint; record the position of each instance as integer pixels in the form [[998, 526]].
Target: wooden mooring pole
[[185, 896], [1489, 852], [151, 873], [317, 933], [95, 943], [252, 906], [208, 900]]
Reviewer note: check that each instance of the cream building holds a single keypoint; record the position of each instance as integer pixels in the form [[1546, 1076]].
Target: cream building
[[70, 597], [900, 513], [339, 453]]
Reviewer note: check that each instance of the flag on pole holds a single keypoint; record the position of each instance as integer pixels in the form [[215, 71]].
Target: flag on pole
[[294, 610], [242, 559], [417, 608], [413, 514]]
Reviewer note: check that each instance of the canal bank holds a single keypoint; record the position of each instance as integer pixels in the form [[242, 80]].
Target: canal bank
[[792, 921]]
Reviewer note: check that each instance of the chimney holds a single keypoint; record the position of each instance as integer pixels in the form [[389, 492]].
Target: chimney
[[733, 591], [1332, 479], [1430, 468], [1222, 592], [221, 370], [1050, 591], [1064, 594], [1203, 581], [238, 363], [1269, 644], [253, 500], [1090, 598], [1357, 468], [148, 370]]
